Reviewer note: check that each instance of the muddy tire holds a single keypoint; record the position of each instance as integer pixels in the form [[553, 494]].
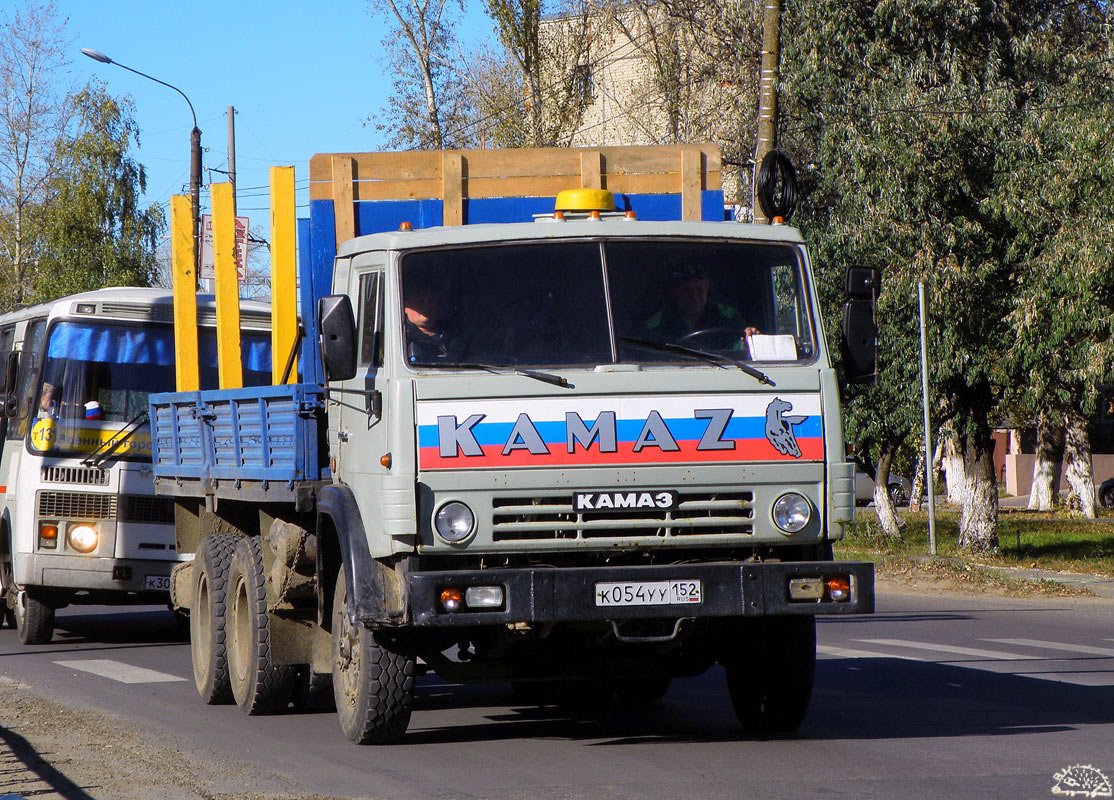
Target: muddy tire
[[208, 618], [373, 678], [259, 686], [33, 620], [769, 676]]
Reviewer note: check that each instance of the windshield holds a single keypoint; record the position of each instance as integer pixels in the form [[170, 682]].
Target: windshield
[[97, 378], [553, 304]]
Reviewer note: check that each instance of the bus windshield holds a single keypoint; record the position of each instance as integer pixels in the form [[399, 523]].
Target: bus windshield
[[97, 377], [634, 301]]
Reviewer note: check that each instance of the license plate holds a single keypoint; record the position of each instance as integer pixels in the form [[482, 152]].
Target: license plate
[[648, 593], [617, 502], [157, 583]]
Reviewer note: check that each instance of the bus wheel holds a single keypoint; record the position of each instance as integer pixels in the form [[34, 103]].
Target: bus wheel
[[258, 685], [34, 620], [769, 676], [373, 679], [207, 618]]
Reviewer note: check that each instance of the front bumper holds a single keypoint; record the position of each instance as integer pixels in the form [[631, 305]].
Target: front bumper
[[547, 594]]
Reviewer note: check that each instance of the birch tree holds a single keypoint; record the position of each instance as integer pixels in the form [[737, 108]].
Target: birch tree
[[425, 111], [35, 111]]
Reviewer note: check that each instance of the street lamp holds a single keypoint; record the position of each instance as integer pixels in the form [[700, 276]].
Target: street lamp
[[195, 152]]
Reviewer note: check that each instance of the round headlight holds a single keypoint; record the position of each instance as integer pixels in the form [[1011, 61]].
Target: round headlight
[[792, 512], [454, 522], [82, 538]]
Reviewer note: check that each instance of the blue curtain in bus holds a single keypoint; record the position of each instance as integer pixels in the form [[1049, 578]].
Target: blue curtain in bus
[[123, 345]]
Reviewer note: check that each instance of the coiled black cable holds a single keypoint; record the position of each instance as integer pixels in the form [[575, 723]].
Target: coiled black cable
[[777, 186]]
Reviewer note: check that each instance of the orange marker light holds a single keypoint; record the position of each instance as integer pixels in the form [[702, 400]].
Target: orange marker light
[[451, 599], [838, 589], [405, 226]]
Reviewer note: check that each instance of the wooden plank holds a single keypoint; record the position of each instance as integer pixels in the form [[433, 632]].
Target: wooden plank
[[591, 164], [227, 287], [184, 265], [284, 287], [452, 188], [506, 173], [690, 185], [344, 205]]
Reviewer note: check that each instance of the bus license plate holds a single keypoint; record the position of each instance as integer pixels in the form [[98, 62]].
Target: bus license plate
[[158, 583], [648, 593]]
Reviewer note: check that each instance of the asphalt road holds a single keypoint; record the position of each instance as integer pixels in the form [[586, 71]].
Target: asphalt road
[[933, 696]]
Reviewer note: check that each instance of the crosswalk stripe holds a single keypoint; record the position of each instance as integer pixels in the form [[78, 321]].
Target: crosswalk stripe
[[119, 671], [849, 652], [947, 648], [1082, 649]]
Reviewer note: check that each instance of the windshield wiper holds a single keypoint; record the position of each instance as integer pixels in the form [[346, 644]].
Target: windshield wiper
[[717, 359], [101, 454], [544, 377]]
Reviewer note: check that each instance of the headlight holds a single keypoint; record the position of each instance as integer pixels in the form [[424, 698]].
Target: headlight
[[82, 538], [454, 522], [792, 512]]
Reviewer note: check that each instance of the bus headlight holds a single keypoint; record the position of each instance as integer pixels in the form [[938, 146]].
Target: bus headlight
[[82, 538], [792, 512], [454, 522]]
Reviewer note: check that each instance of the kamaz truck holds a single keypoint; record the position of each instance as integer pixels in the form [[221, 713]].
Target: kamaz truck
[[553, 421]]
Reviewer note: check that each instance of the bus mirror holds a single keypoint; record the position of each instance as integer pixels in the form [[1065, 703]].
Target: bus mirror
[[859, 341], [11, 370], [337, 329]]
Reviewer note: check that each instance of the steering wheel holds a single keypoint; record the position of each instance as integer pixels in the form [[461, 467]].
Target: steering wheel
[[690, 338]]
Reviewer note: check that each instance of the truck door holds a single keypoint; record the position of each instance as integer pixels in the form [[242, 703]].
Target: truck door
[[362, 440]]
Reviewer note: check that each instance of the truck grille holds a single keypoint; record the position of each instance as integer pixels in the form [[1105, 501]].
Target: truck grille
[[704, 514], [83, 476], [77, 505], [147, 508]]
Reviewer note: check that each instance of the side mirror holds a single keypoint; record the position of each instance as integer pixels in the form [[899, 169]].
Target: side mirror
[[859, 338], [862, 283], [337, 331], [11, 371]]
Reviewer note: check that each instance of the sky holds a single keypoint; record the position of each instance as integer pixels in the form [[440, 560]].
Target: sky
[[303, 75]]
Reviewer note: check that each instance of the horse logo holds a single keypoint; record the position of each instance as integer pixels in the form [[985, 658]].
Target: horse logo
[[779, 427]]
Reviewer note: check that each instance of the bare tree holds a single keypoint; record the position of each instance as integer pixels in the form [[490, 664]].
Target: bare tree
[[35, 112]]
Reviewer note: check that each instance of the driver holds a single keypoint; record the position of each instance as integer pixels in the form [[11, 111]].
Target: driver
[[687, 312]]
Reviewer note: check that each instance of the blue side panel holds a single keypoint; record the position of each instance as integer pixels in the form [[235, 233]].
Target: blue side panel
[[315, 267], [379, 216], [259, 433], [505, 209]]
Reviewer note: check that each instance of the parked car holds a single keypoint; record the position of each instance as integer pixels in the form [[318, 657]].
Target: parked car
[[899, 487], [1106, 493]]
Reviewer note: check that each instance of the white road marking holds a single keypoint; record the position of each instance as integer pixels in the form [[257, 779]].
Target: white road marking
[[1035, 670], [997, 655], [847, 652], [119, 671], [1082, 649]]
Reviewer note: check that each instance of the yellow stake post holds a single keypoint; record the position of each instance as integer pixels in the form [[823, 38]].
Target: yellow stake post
[[284, 310], [184, 267], [227, 283]]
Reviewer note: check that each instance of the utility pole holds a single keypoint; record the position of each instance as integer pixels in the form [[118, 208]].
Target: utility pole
[[767, 96], [232, 154]]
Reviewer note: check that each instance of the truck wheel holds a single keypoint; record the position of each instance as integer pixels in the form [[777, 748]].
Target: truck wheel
[[207, 618], [34, 620], [259, 686], [373, 680], [769, 675]]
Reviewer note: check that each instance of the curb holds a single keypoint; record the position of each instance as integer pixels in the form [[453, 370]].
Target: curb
[[1098, 585]]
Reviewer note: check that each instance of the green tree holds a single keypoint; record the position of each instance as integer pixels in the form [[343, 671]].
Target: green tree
[[915, 130], [96, 233]]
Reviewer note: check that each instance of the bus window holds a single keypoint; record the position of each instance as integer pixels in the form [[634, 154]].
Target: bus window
[[26, 380]]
